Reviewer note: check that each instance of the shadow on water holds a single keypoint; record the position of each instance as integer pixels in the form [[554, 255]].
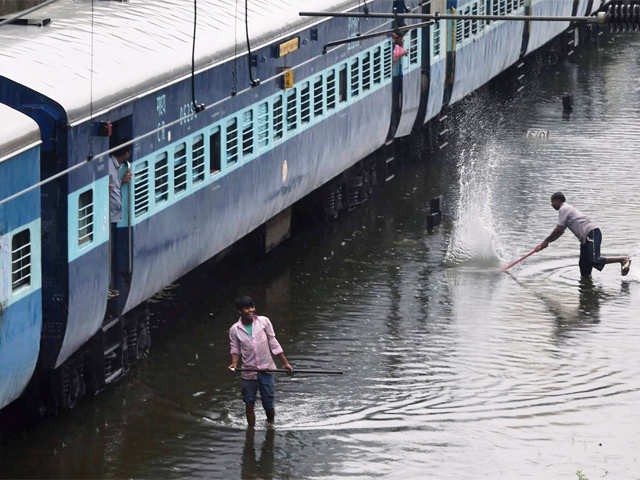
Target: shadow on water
[[258, 466]]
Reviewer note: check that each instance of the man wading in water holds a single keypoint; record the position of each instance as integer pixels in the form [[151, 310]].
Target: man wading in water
[[252, 338], [587, 232]]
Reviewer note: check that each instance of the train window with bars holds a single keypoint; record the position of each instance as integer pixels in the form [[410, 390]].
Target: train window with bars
[[292, 110], [342, 84], [180, 169], [215, 151], [355, 77], [366, 71], [474, 23], [161, 178], [467, 24], [318, 96], [21, 260], [503, 6], [413, 47], [388, 60], [263, 124], [377, 65], [331, 90], [197, 159], [436, 39], [277, 117], [232, 141], [495, 7], [488, 11], [247, 132], [459, 30], [141, 188], [85, 218], [305, 103], [521, 3]]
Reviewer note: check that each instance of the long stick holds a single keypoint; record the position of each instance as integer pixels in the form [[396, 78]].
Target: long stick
[[284, 370], [519, 260]]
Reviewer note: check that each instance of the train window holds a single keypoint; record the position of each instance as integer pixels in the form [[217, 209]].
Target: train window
[[215, 151], [488, 10], [495, 7], [459, 30], [342, 84], [263, 124], [305, 103], [180, 169], [413, 46], [436, 39], [161, 178], [377, 65], [503, 6], [355, 77], [331, 90], [277, 117], [247, 132], [232, 141], [141, 188], [521, 3], [467, 24], [388, 64], [366, 71], [474, 23], [85, 217], [21, 260], [197, 159], [292, 111], [318, 95]]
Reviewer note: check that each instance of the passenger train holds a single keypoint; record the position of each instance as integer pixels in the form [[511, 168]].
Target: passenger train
[[280, 119]]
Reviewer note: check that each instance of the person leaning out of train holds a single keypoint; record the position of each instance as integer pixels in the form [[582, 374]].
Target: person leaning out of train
[[116, 160]]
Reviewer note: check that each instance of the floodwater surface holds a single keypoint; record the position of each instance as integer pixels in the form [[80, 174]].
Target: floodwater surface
[[452, 369]]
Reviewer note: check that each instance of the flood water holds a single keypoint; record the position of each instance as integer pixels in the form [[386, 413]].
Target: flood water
[[452, 370]]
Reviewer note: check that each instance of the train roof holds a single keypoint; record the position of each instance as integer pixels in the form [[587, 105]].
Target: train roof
[[138, 46], [18, 132]]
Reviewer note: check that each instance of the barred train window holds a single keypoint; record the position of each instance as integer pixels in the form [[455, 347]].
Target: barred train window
[[292, 113], [413, 46], [232, 141], [377, 65], [318, 106], [388, 64], [277, 118], [355, 77], [305, 103], [197, 159], [21, 260], [366, 71], [215, 151], [487, 9], [161, 178], [331, 90], [474, 23], [247, 132], [342, 84], [436, 39], [263, 124], [467, 24], [85, 217], [180, 169], [141, 188]]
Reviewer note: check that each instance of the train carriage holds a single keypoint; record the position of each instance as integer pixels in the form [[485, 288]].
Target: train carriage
[[20, 271]]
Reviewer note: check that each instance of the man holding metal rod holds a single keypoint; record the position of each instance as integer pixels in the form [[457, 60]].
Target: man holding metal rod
[[252, 338]]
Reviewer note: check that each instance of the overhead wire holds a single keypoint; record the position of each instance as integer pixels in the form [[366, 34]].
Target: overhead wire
[[196, 107], [254, 81]]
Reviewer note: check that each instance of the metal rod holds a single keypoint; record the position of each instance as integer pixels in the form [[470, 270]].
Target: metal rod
[[600, 18], [284, 370], [25, 12], [377, 34]]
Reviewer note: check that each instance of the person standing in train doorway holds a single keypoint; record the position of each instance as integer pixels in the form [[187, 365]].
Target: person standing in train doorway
[[253, 341], [115, 161], [587, 232]]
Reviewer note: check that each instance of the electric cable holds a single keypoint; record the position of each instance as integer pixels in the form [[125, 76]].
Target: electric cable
[[254, 81]]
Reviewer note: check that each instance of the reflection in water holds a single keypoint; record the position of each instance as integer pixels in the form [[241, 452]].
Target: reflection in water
[[452, 369]]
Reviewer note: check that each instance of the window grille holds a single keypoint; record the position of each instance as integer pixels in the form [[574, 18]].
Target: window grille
[[197, 159], [459, 30], [503, 6], [366, 71], [180, 169], [232, 141], [140, 181], [436, 39], [413, 47], [355, 77], [331, 90], [21, 260], [277, 117], [474, 23], [318, 106], [467, 24], [292, 110], [388, 60], [377, 65], [161, 178], [263, 124], [247, 132], [305, 103], [85, 217]]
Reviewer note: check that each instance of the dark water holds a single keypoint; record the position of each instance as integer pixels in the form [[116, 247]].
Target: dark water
[[452, 370]]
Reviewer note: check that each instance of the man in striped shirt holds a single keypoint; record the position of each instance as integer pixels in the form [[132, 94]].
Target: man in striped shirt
[[253, 340]]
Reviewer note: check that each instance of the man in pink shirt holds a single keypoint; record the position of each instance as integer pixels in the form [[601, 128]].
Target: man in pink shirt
[[252, 338]]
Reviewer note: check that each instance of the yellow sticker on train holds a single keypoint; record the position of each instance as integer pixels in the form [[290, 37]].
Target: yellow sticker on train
[[289, 46]]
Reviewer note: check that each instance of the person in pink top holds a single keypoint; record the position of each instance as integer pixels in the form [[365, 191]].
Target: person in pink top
[[253, 341]]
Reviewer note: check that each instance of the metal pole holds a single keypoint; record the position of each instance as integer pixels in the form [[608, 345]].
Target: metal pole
[[600, 18], [377, 34], [130, 207], [284, 370]]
